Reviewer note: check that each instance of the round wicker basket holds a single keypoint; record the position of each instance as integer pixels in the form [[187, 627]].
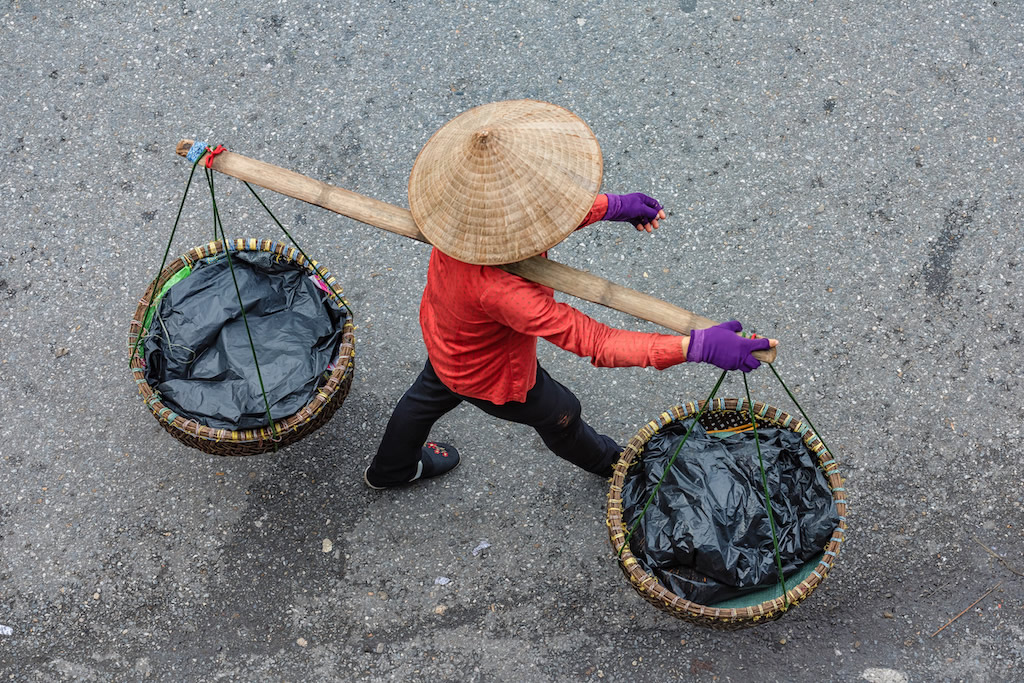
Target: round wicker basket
[[724, 413], [308, 419]]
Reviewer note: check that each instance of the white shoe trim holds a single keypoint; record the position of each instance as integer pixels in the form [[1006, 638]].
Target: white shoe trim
[[419, 471], [366, 478]]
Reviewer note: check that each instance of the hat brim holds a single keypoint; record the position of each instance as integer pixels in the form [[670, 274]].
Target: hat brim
[[505, 181]]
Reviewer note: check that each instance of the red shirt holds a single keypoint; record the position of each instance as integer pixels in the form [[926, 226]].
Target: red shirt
[[480, 326]]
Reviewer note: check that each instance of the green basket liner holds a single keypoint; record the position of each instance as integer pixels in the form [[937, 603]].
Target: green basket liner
[[770, 592], [173, 280]]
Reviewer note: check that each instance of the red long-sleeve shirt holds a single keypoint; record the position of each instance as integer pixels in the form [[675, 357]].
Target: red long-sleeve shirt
[[480, 326]]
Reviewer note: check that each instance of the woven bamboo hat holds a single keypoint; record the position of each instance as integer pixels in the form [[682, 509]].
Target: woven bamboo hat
[[505, 181]]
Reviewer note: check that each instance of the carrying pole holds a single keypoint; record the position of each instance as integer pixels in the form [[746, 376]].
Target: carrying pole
[[399, 221]]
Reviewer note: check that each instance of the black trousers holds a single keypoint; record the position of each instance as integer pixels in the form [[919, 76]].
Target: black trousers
[[549, 408]]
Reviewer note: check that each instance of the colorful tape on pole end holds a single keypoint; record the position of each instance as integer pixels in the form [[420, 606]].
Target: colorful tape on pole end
[[196, 151]]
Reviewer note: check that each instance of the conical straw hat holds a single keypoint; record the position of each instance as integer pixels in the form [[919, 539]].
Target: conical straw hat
[[505, 181]]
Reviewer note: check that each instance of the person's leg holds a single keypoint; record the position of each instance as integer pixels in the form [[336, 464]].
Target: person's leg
[[400, 449], [555, 413]]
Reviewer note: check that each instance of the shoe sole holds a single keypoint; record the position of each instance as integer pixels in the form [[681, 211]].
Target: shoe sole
[[366, 480]]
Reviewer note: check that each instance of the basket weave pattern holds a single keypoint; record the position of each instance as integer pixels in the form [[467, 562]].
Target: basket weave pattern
[[307, 420], [723, 412]]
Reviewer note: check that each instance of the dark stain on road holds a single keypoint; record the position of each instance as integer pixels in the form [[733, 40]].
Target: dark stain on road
[[938, 275]]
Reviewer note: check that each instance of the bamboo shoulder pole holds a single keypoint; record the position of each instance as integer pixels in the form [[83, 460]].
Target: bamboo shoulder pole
[[398, 220]]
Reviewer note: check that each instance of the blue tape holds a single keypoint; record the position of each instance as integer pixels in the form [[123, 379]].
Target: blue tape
[[196, 151]]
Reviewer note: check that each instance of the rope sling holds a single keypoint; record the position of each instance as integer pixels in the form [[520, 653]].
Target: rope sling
[[197, 153], [825, 459]]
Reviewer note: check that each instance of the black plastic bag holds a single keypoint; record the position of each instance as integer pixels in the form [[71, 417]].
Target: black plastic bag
[[198, 355], [706, 535]]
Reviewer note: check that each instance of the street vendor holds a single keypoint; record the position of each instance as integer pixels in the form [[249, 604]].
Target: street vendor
[[498, 184]]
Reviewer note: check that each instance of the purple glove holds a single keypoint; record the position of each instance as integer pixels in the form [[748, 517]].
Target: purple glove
[[636, 208], [721, 346]]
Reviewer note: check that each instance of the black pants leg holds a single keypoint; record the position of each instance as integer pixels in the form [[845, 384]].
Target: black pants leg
[[423, 404], [550, 408], [554, 411]]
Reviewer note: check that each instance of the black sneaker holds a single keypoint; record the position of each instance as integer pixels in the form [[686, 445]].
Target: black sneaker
[[435, 460]]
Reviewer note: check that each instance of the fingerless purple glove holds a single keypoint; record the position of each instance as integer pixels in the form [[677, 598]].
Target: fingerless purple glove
[[634, 208], [721, 346]]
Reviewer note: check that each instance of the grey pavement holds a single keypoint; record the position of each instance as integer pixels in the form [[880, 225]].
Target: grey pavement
[[844, 176]]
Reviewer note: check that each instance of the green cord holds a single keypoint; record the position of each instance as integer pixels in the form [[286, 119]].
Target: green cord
[[802, 413], [218, 224], [213, 202], [292, 240], [672, 460], [767, 495], [163, 262]]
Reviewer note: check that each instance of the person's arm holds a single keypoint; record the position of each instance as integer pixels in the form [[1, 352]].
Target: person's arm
[[597, 211], [531, 309]]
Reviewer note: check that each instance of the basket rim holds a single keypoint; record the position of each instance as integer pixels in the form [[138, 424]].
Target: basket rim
[[648, 585], [344, 360]]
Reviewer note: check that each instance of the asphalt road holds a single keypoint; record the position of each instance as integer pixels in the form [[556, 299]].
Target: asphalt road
[[846, 177]]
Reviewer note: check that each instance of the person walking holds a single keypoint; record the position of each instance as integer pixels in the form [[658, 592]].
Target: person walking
[[498, 184]]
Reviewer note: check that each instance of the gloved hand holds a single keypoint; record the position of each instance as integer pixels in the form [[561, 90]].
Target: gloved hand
[[721, 346], [639, 209]]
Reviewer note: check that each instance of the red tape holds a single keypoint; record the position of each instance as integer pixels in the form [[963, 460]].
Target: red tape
[[212, 153]]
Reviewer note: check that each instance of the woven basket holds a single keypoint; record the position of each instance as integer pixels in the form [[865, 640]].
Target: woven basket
[[725, 413], [307, 420]]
